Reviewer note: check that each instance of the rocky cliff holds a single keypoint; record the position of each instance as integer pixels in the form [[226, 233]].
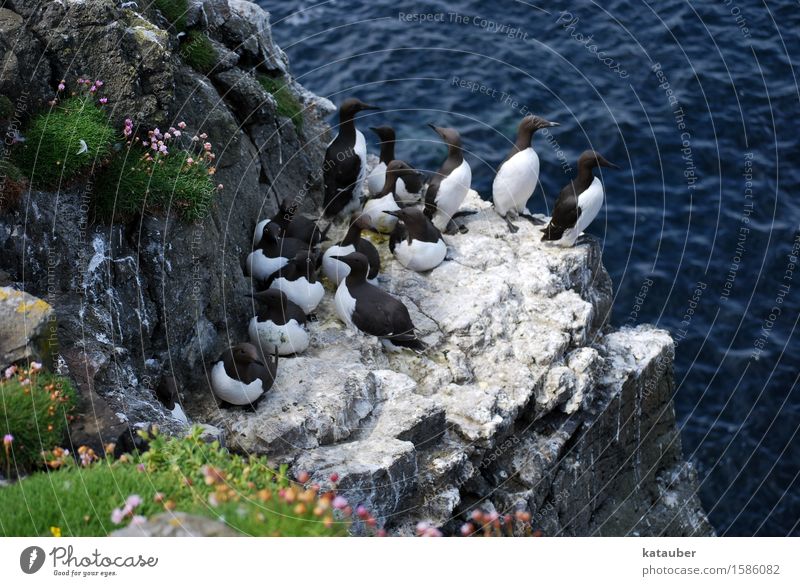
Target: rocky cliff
[[526, 398]]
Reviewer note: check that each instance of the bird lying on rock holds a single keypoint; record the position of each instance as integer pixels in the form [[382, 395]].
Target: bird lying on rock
[[279, 324], [376, 207], [416, 242], [336, 270], [272, 252], [298, 280], [372, 310], [241, 376]]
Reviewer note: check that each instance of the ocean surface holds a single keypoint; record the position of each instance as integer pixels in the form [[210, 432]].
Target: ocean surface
[[698, 103]]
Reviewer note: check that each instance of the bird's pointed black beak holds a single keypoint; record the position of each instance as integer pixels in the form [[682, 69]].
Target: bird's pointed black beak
[[369, 107], [392, 213]]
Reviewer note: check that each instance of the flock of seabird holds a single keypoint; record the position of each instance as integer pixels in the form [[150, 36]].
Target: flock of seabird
[[287, 256]]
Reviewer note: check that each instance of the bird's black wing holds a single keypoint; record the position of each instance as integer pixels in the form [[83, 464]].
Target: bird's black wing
[[565, 214]]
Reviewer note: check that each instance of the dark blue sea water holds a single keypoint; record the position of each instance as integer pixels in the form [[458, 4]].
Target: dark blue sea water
[[698, 102]]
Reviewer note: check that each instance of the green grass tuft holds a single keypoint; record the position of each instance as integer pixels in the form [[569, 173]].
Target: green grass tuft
[[198, 52], [175, 474], [34, 407], [174, 11], [53, 141], [130, 185], [288, 105]]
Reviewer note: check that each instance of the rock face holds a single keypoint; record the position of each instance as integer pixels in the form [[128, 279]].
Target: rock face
[[521, 401], [154, 295], [525, 397], [27, 328]]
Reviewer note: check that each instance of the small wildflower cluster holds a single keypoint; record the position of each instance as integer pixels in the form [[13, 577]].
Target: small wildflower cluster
[[34, 408], [86, 88], [493, 524], [328, 505], [56, 458], [159, 144], [118, 515]]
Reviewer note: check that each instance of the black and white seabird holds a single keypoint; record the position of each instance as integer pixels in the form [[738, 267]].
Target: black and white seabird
[[272, 252], [372, 310], [292, 225], [385, 200], [167, 393], [242, 376], [409, 185], [416, 242], [298, 280], [449, 185], [578, 203], [279, 324], [336, 270], [345, 166], [518, 174]]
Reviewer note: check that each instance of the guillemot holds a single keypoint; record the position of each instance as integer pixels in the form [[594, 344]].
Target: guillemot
[[416, 242], [449, 185], [376, 207], [272, 252], [345, 166], [372, 310], [336, 270], [409, 185], [578, 203], [279, 324], [298, 280], [518, 174], [241, 376]]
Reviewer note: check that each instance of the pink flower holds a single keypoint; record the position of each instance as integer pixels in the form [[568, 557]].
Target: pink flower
[[93, 89], [181, 125], [432, 532], [133, 501], [189, 161], [140, 467], [339, 502], [207, 146], [99, 83], [61, 86], [467, 529], [10, 371], [138, 520], [334, 477], [220, 186], [381, 533], [362, 512], [117, 516], [422, 527], [303, 476], [8, 439], [204, 136], [167, 136], [103, 100], [163, 149], [176, 132]]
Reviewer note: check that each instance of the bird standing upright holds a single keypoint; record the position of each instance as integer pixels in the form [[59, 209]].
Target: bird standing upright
[[518, 174], [449, 185], [578, 203], [345, 166]]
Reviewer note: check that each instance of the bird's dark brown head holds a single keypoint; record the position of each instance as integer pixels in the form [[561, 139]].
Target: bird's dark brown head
[[352, 106], [450, 136], [244, 354], [385, 133], [533, 123], [591, 159]]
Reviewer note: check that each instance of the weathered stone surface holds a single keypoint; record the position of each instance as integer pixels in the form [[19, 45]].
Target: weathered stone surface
[[27, 328], [177, 524], [133, 299]]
